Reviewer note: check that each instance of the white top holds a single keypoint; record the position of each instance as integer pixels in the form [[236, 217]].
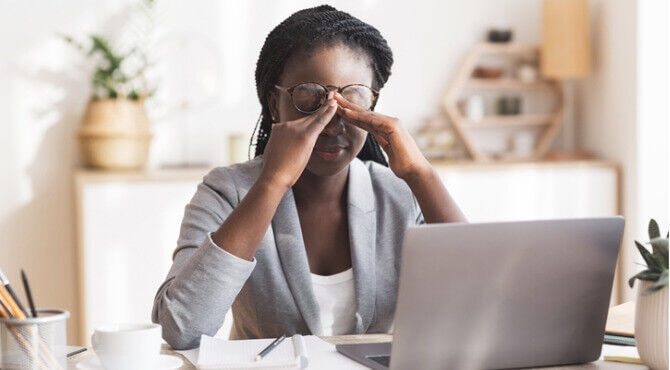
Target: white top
[[337, 302]]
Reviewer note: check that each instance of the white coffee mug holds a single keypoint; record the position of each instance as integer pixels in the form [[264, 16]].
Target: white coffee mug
[[127, 346]]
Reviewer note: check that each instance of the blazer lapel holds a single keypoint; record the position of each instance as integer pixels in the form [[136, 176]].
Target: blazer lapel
[[362, 239], [293, 257]]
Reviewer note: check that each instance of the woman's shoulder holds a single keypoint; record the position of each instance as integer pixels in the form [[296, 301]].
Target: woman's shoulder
[[238, 175]]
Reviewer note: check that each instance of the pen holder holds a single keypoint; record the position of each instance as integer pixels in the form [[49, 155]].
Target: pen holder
[[34, 343]]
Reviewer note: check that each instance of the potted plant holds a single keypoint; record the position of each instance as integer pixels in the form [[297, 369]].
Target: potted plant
[[115, 133], [651, 310]]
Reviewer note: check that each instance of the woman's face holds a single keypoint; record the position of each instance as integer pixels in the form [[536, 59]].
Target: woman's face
[[332, 65]]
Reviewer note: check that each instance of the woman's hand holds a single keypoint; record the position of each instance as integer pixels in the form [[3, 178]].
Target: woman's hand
[[291, 144], [406, 161], [405, 158]]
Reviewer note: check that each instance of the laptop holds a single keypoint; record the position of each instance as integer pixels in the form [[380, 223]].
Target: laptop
[[500, 295]]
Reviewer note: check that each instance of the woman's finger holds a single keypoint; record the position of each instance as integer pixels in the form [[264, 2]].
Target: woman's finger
[[321, 118], [311, 118], [354, 119], [342, 101], [378, 133], [371, 120]]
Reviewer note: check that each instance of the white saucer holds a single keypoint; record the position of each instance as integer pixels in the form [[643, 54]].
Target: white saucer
[[165, 362]]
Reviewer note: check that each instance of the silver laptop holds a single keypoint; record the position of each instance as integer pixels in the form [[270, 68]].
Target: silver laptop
[[500, 295]]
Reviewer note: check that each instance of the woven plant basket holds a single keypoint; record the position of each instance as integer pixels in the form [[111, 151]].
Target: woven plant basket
[[115, 134]]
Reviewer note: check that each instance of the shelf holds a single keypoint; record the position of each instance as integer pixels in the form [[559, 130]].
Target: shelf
[[505, 83], [512, 120], [506, 48], [547, 124]]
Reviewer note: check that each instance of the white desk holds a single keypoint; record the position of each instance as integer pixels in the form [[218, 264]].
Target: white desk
[[380, 338]]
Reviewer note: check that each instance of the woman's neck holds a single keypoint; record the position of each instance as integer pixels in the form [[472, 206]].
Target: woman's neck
[[323, 189]]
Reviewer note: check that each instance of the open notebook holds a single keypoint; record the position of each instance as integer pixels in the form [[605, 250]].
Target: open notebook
[[239, 354]]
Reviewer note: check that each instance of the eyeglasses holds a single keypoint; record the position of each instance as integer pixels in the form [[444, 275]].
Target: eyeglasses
[[308, 97]]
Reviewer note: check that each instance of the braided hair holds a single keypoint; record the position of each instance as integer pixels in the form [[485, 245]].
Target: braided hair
[[303, 31]]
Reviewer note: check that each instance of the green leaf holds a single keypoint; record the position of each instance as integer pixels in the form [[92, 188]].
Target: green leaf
[[659, 247], [644, 275], [663, 280], [651, 290], [102, 46], [654, 231], [661, 283], [652, 263]]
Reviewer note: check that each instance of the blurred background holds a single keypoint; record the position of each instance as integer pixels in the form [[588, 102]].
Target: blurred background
[[112, 111]]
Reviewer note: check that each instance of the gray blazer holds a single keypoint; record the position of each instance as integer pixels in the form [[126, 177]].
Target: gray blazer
[[272, 294]]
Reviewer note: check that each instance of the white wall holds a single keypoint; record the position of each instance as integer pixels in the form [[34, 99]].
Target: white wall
[[42, 95], [45, 89], [623, 112]]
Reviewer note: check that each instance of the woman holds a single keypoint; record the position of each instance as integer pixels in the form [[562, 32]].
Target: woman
[[306, 237]]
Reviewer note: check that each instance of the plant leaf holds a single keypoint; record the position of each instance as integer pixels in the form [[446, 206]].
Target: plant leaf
[[652, 263], [663, 280], [661, 283], [654, 231], [644, 275], [659, 247], [651, 289]]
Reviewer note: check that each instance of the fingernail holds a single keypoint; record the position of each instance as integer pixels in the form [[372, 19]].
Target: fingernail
[[330, 95]]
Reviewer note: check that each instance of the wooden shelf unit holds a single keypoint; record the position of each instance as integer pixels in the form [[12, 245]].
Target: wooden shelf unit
[[549, 123], [505, 83], [505, 48], [509, 121]]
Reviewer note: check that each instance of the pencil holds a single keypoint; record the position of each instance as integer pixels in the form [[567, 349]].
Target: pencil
[[4, 311], [5, 282], [11, 305], [26, 287]]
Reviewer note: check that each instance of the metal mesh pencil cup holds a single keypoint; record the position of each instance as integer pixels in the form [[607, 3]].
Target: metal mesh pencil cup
[[34, 343]]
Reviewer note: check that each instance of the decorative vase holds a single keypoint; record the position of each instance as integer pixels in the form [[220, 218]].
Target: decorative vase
[[651, 326], [115, 134]]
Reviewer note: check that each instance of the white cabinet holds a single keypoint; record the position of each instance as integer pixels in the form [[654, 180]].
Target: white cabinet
[[128, 222], [128, 228], [537, 190]]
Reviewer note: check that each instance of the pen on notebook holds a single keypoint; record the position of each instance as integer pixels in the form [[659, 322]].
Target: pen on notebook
[[26, 287], [4, 281], [269, 348]]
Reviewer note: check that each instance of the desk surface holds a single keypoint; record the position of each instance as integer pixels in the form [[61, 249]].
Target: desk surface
[[379, 338]]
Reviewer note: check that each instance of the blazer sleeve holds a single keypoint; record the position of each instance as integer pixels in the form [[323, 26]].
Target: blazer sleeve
[[204, 279]]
